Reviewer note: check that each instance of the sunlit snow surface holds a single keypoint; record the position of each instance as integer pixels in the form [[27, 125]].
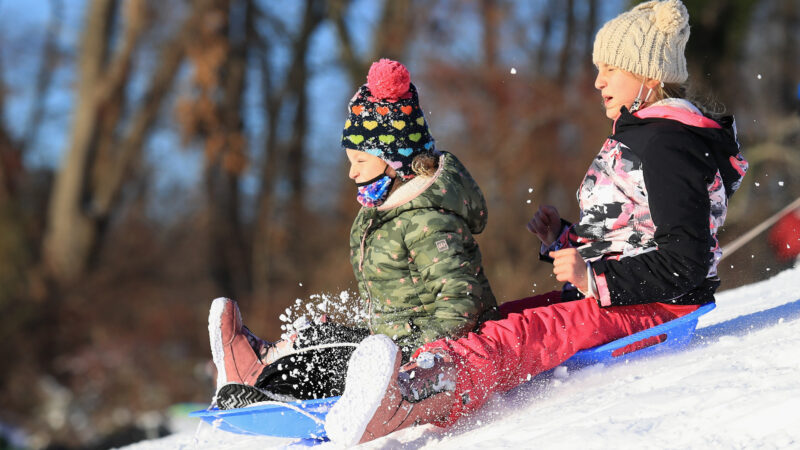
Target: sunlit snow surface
[[738, 386]]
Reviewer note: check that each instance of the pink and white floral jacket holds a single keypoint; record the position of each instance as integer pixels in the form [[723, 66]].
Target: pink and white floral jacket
[[651, 204]]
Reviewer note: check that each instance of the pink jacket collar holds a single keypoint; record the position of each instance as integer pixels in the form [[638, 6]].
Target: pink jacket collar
[[682, 115], [675, 109]]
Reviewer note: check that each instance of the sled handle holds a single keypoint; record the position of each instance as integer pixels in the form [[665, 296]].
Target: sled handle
[[745, 238]]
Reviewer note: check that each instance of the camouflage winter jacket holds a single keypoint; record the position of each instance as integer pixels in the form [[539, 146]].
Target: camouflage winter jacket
[[416, 261]]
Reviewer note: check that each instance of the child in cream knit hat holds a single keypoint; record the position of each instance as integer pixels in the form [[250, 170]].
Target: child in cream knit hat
[[643, 251], [647, 42]]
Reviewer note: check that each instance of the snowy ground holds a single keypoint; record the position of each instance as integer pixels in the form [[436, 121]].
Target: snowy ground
[[738, 386]]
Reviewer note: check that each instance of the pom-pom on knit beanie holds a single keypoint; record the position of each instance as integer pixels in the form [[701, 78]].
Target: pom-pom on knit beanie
[[648, 40], [385, 119]]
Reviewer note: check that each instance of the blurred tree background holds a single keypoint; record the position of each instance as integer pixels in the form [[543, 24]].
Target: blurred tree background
[[156, 155]]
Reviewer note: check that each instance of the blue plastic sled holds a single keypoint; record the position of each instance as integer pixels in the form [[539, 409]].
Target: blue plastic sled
[[306, 419]]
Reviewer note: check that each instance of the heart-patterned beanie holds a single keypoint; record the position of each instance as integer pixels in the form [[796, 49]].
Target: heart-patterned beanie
[[385, 119]]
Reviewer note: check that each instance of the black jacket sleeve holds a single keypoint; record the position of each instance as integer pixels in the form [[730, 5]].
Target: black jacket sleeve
[[677, 170]]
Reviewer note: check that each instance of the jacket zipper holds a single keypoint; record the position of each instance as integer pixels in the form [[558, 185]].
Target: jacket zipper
[[361, 269], [361, 254]]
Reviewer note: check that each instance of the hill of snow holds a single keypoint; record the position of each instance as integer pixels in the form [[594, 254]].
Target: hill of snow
[[737, 386]]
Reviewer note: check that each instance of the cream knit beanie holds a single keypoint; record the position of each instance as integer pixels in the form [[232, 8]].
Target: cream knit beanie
[[648, 40]]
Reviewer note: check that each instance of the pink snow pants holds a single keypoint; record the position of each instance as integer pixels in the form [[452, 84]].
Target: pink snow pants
[[537, 334]]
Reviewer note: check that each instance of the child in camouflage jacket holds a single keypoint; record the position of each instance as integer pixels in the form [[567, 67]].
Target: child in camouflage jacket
[[415, 258]]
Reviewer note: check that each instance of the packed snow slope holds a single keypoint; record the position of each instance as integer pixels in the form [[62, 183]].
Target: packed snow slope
[[737, 386]]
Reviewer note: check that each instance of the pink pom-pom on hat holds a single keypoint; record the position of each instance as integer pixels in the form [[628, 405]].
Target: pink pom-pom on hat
[[388, 80]]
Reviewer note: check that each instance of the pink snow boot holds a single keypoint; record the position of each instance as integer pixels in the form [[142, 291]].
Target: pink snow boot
[[381, 397], [236, 351]]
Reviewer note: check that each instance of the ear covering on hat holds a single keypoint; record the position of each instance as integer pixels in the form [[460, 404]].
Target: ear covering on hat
[[648, 40], [385, 119]]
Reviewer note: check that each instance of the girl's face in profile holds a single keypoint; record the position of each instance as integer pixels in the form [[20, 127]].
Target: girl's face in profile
[[365, 167], [619, 88]]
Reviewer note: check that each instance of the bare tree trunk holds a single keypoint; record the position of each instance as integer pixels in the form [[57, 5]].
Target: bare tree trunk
[[296, 149], [355, 67], [391, 39], [262, 248], [10, 158], [269, 233], [566, 50], [790, 70], [492, 17], [70, 233], [392, 34], [230, 265], [50, 60], [97, 161], [588, 43], [547, 32]]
